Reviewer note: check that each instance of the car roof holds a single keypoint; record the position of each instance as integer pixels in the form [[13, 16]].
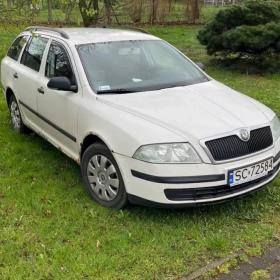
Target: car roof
[[81, 36]]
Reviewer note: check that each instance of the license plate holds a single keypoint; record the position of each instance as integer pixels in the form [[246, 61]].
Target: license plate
[[250, 173]]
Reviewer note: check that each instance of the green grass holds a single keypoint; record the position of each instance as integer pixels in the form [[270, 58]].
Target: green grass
[[49, 227]]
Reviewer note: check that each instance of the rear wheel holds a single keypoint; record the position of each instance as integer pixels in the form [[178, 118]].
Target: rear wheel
[[102, 177], [15, 116]]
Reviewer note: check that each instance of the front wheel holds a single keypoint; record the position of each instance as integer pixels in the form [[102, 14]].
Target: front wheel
[[102, 177], [15, 116]]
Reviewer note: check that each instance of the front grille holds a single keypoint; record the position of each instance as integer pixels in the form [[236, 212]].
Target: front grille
[[213, 192], [230, 147]]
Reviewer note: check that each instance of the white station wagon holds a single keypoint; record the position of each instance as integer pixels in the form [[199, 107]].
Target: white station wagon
[[145, 123]]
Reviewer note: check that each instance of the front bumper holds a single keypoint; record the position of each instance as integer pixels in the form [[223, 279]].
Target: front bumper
[[186, 185]]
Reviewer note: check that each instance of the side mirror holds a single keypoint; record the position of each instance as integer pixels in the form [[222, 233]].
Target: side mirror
[[61, 83], [201, 66]]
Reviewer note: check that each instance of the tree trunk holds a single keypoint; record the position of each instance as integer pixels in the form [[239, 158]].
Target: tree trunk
[[153, 11], [192, 10], [108, 8], [195, 11], [67, 16], [170, 5], [90, 14], [96, 9], [9, 4], [50, 17]]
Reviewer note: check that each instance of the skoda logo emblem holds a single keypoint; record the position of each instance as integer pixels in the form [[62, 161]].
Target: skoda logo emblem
[[244, 134]]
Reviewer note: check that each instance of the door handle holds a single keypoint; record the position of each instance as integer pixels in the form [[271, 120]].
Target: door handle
[[41, 90], [16, 75]]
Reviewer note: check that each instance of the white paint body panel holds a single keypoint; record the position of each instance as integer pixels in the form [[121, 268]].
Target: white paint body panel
[[194, 112], [126, 122], [155, 191]]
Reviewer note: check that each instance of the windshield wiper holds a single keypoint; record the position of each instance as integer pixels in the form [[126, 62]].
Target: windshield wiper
[[173, 86], [117, 91], [186, 83]]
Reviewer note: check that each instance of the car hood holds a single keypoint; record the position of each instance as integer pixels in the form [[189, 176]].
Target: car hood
[[197, 111]]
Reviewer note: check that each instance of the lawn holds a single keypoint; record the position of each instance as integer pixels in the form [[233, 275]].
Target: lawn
[[49, 227]]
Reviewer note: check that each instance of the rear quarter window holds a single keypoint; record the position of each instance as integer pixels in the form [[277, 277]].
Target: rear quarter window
[[16, 47]]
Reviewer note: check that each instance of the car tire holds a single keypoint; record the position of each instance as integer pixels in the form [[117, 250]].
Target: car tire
[[102, 177], [15, 115]]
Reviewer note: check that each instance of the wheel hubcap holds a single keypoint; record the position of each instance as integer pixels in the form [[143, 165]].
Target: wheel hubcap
[[15, 116], [103, 177]]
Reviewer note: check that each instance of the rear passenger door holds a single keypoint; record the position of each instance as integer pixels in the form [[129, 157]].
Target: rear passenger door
[[26, 76]]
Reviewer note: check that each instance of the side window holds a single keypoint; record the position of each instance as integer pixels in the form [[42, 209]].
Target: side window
[[16, 47], [58, 63], [33, 53]]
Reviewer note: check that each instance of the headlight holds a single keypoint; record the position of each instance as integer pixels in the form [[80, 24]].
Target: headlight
[[167, 153], [275, 125]]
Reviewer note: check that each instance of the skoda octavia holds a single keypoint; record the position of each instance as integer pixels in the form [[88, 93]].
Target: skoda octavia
[[145, 123]]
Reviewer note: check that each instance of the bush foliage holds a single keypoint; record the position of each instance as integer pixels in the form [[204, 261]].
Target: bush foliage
[[248, 30]]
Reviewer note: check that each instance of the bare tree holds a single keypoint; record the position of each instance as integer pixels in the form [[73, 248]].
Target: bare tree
[[170, 5], [50, 17], [108, 10], [153, 11], [192, 10], [9, 4], [163, 9], [135, 9]]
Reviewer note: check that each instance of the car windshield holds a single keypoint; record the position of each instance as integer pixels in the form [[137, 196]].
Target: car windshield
[[133, 66]]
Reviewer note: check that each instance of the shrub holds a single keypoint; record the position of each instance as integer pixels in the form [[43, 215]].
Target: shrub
[[249, 30]]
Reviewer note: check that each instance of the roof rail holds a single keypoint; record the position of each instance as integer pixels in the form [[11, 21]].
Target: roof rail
[[35, 28], [120, 27]]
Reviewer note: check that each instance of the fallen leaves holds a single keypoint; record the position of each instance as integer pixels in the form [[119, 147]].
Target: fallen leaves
[[2, 195], [48, 213], [98, 244]]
